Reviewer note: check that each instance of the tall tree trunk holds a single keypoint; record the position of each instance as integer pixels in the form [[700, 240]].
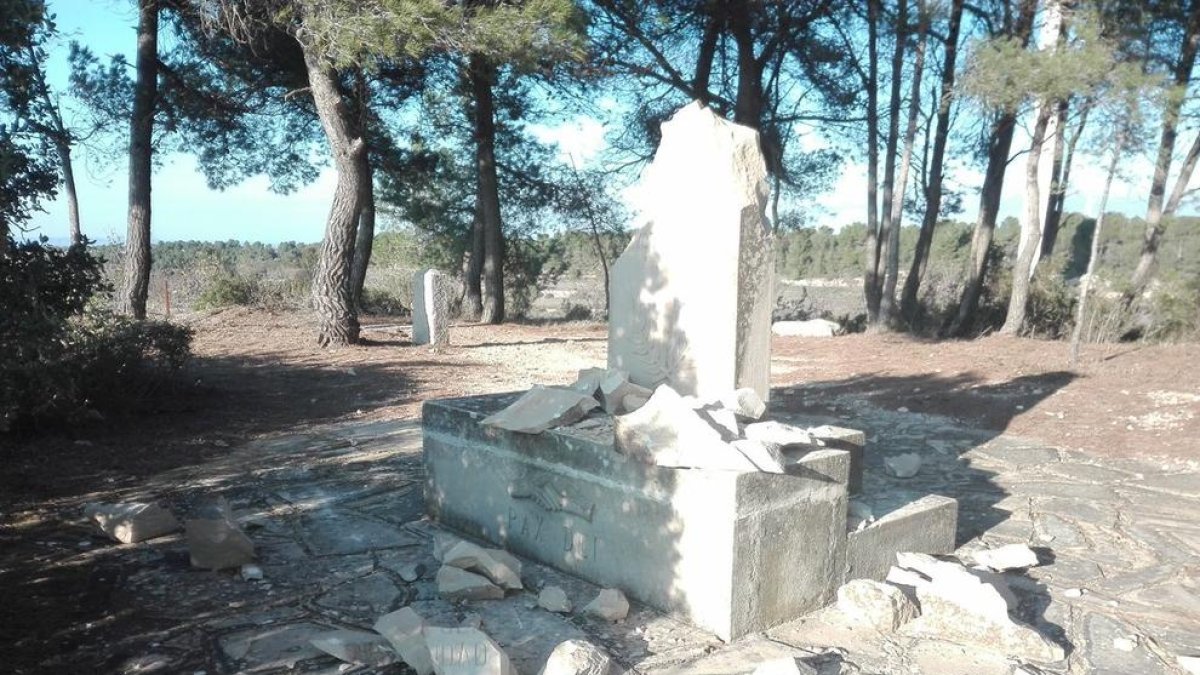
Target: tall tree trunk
[[483, 76], [473, 286], [364, 239], [889, 162], [892, 272], [1031, 228], [1062, 182], [933, 195], [1166, 148], [1058, 189], [136, 283], [332, 290], [747, 109], [68, 173], [999, 144], [1086, 284], [707, 52], [871, 286], [1184, 177], [1053, 37]]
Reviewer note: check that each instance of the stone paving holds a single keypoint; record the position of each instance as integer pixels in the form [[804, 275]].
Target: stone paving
[[336, 514]]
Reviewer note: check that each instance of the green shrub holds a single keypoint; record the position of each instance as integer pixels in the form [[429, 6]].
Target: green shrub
[[60, 360], [227, 290], [382, 302], [1051, 311], [1174, 312]]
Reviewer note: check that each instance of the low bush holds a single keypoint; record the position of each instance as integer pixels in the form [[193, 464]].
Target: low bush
[[230, 289], [61, 357]]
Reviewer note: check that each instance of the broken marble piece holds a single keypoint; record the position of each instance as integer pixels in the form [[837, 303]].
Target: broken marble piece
[[466, 651], [745, 403], [1009, 557], [615, 388], [442, 542], [631, 402], [691, 295], [214, 540], [251, 572], [904, 465], [404, 630], [788, 665], [588, 382], [499, 566], [766, 457], [542, 408], [554, 599], [411, 572], [431, 307], [786, 436], [1188, 664], [724, 421], [131, 522], [454, 584], [875, 604], [667, 432], [578, 657], [957, 605], [354, 646], [609, 605]]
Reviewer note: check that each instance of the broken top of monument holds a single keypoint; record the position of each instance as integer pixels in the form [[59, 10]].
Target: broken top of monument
[[692, 294]]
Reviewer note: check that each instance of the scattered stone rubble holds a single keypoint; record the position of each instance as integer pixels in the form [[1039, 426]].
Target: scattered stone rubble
[[215, 541], [542, 408], [875, 604], [131, 522], [1004, 558], [554, 599], [609, 605], [904, 465], [455, 584], [355, 646], [577, 657]]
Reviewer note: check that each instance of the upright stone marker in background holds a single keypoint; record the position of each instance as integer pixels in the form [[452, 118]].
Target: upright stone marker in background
[[692, 294], [430, 308]]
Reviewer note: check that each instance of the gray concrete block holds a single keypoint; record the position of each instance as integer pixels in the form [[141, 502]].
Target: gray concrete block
[[732, 552], [926, 525], [852, 441]]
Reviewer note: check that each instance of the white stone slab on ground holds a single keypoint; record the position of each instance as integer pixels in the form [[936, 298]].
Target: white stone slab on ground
[[692, 294], [131, 522]]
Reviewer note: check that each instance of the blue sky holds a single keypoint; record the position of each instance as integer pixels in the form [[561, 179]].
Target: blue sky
[[185, 208]]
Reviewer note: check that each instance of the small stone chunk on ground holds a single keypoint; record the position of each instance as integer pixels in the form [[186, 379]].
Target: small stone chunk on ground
[[904, 465], [589, 380], [251, 572], [404, 630], [957, 605], [745, 403], [214, 540], [466, 651], [354, 646], [542, 408], [554, 599], [784, 666], [131, 522], [881, 606], [811, 328], [499, 566], [577, 657], [454, 583], [411, 572], [609, 605], [1010, 557]]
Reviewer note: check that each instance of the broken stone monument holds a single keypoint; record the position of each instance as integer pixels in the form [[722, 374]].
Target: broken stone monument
[[683, 494], [430, 308], [691, 296]]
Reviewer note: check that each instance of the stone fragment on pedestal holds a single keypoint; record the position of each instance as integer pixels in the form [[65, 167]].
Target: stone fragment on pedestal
[[430, 308], [878, 605], [500, 567], [542, 408], [667, 432], [355, 646], [692, 294]]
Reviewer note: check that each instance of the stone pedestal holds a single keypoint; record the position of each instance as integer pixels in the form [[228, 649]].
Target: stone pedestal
[[430, 308], [691, 296], [733, 552]]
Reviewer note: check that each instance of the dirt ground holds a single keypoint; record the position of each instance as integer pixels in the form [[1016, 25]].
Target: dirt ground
[[257, 373]]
